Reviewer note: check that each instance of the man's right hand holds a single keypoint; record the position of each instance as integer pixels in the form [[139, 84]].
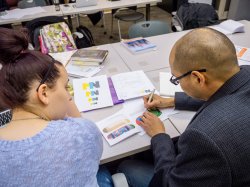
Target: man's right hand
[[158, 102]]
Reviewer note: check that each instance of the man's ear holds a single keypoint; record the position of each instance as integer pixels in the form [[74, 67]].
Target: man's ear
[[42, 93], [198, 78]]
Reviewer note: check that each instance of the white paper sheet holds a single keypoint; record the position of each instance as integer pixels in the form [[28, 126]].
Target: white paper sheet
[[82, 71], [63, 57], [92, 93], [229, 27], [166, 87], [132, 85]]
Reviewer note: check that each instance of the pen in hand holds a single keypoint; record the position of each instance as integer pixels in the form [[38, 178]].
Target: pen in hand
[[151, 96]]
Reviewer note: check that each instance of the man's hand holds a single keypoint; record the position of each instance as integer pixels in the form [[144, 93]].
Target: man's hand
[[151, 124], [158, 102]]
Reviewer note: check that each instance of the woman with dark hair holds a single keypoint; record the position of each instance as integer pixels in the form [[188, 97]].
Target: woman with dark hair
[[46, 143]]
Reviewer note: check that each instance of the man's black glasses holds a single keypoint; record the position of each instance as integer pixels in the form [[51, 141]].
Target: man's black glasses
[[47, 74], [175, 80]]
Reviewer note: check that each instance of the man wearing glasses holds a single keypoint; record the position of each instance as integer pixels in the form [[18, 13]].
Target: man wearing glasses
[[214, 150]]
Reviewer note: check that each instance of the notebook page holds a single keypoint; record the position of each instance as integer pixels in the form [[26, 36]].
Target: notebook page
[[132, 85]]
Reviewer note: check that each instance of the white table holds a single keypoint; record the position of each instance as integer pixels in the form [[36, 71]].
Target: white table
[[113, 63], [136, 143], [70, 10], [150, 60], [242, 39], [50, 11], [107, 5], [158, 59], [103, 5]]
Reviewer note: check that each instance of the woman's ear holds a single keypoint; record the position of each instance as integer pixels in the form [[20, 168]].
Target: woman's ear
[[198, 78], [42, 93]]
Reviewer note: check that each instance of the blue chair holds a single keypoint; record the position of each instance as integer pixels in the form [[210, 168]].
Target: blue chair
[[148, 28]]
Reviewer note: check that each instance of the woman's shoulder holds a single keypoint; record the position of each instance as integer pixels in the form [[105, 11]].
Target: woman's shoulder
[[78, 130], [76, 124]]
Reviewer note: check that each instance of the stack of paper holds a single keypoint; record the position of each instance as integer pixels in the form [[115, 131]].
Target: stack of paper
[[89, 57], [63, 57], [72, 69]]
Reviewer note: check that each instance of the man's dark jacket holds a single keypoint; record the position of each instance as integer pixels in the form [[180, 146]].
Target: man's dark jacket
[[214, 150]]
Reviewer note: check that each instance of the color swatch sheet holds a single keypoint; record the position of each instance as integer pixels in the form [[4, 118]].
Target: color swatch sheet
[[117, 127], [132, 85], [122, 124], [92, 93]]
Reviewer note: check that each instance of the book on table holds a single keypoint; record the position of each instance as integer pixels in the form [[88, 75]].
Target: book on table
[[88, 57], [73, 69], [229, 27], [137, 45]]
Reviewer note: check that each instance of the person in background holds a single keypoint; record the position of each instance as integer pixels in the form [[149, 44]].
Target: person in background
[[3, 7], [46, 143], [214, 150]]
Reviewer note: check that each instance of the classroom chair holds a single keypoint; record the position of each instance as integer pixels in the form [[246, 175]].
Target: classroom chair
[[119, 180], [125, 14], [148, 28]]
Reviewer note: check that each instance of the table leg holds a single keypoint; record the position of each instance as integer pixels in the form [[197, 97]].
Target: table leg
[[147, 12], [70, 23]]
